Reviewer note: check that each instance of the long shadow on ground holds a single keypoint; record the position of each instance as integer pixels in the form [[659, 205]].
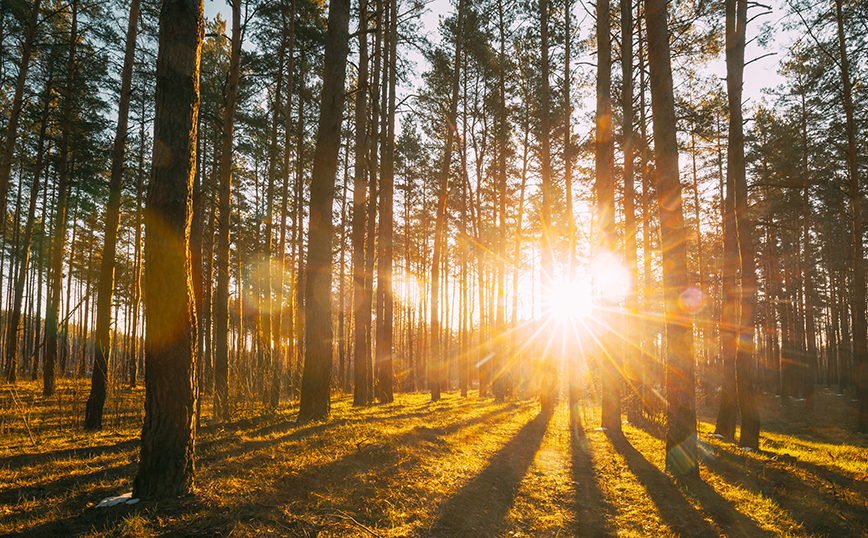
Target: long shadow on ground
[[594, 514], [674, 508], [826, 503], [481, 507]]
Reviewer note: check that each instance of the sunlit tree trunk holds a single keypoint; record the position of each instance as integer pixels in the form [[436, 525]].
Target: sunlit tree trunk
[[166, 460], [281, 357], [314, 403], [632, 358], [360, 337], [736, 20]]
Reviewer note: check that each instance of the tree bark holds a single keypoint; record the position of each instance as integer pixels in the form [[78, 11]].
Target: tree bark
[[435, 362], [736, 21], [99, 379], [315, 402], [221, 295], [860, 339], [605, 236], [386, 229], [166, 464], [682, 455], [360, 186], [53, 307]]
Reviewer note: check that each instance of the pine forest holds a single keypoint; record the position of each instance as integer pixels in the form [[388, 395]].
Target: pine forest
[[433, 268]]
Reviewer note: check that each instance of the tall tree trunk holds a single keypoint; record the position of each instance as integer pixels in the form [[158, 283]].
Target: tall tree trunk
[[386, 230], [605, 237], [503, 369], [682, 455], [273, 280], [15, 312], [360, 185], [632, 358], [547, 263], [137, 264], [280, 357], [99, 379], [435, 361], [53, 308], [221, 295], [314, 402], [168, 435], [736, 20], [860, 339]]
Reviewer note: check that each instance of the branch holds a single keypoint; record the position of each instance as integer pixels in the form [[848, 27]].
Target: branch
[[758, 58]]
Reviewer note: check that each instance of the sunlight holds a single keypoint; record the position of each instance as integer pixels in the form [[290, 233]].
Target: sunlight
[[571, 300], [611, 279]]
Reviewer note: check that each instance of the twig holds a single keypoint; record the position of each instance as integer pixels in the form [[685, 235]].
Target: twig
[[352, 520]]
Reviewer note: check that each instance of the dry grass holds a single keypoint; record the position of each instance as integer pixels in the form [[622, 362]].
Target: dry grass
[[458, 467]]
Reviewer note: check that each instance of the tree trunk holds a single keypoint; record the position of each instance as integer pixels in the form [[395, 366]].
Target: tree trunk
[[386, 230], [736, 20], [280, 357], [360, 185], [314, 402], [632, 358], [435, 362], [605, 237], [99, 379], [682, 455], [221, 295], [15, 314], [860, 339], [53, 307], [15, 113], [167, 450]]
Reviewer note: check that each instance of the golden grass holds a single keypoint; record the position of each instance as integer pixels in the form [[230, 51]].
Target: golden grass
[[458, 467]]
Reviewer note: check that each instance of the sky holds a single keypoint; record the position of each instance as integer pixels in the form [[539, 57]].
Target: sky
[[759, 75]]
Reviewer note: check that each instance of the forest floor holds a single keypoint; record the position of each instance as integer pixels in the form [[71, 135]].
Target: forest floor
[[465, 467]]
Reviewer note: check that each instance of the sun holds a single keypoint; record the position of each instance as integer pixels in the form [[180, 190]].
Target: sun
[[569, 300]]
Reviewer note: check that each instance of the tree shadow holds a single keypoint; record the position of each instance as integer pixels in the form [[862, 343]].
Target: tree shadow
[[481, 506], [101, 482], [822, 501], [674, 508], [594, 514], [305, 429], [22, 460]]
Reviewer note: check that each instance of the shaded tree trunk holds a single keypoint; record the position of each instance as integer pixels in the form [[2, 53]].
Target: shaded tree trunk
[[360, 185], [682, 455], [435, 361], [860, 339], [99, 379], [53, 307], [221, 294], [605, 236]]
